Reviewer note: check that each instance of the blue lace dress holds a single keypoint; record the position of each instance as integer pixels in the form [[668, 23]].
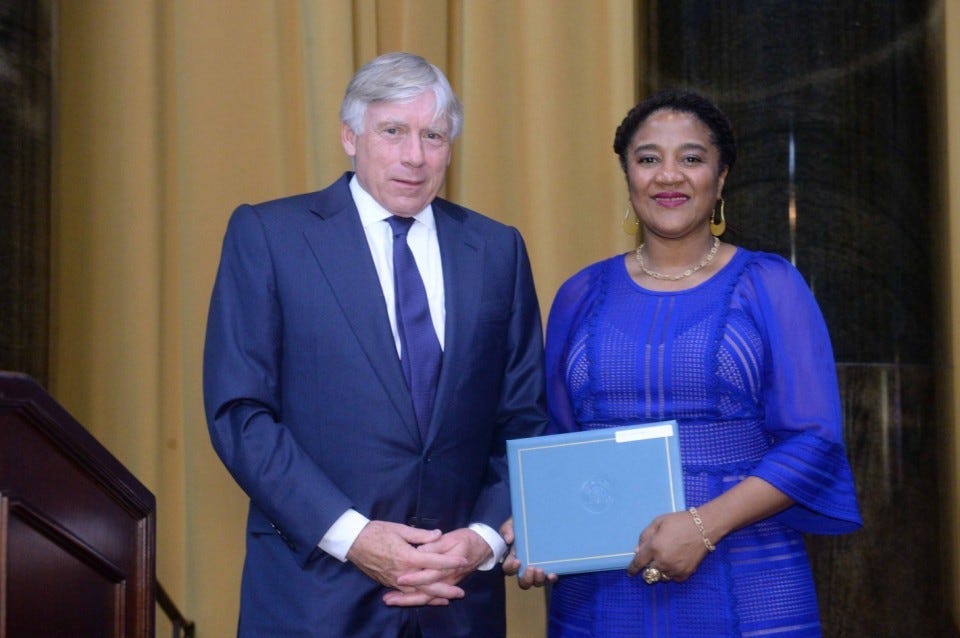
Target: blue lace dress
[[743, 362]]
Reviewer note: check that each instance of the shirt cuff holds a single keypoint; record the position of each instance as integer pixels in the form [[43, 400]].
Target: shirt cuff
[[496, 543], [340, 537]]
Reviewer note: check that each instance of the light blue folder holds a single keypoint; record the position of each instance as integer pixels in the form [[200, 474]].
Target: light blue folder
[[580, 500]]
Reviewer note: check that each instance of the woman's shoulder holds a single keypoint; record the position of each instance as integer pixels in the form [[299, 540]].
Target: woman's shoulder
[[587, 276], [762, 259], [770, 280], [584, 284], [770, 268]]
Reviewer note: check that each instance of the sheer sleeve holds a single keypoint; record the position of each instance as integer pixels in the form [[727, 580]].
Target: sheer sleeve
[[808, 460], [569, 306]]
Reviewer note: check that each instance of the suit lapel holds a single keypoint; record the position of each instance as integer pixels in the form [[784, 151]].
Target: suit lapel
[[461, 249], [340, 247]]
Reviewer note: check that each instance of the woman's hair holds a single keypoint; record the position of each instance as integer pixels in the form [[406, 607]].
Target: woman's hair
[[721, 133], [399, 77]]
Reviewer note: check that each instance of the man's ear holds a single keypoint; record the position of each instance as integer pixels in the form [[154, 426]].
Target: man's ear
[[348, 139]]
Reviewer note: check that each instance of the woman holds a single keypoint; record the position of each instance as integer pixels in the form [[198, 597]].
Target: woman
[[732, 345]]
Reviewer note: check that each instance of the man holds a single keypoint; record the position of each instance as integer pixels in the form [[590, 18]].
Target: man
[[362, 401]]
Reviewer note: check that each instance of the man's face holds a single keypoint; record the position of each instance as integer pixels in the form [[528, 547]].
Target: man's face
[[402, 155]]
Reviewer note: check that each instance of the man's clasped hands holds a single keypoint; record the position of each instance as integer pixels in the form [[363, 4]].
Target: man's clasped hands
[[421, 566]]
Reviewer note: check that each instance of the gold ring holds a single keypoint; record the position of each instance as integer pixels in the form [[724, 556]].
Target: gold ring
[[651, 575]]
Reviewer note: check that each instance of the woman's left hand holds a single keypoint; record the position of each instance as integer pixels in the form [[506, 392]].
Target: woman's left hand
[[672, 544]]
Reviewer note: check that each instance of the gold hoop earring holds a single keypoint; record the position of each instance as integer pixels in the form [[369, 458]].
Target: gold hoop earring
[[628, 228], [718, 223]]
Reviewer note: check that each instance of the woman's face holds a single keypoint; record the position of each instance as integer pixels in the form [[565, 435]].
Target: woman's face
[[673, 174]]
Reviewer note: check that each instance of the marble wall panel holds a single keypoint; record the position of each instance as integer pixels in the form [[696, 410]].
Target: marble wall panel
[[886, 580]]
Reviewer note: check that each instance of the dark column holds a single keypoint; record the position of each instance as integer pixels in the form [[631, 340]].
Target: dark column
[[25, 125], [831, 105]]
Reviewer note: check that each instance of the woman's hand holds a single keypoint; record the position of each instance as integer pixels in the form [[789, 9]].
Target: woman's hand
[[672, 544], [532, 576]]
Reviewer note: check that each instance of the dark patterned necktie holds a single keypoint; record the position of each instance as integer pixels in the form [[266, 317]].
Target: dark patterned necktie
[[419, 347]]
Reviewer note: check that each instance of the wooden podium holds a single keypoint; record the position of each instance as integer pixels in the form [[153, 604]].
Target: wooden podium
[[77, 530]]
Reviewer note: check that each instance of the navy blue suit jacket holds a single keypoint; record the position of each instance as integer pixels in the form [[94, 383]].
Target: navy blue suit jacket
[[308, 409]]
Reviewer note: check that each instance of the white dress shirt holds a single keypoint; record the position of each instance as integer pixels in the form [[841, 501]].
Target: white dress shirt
[[422, 239]]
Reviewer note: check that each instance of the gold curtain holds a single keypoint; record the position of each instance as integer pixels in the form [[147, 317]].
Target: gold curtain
[[948, 284], [170, 113]]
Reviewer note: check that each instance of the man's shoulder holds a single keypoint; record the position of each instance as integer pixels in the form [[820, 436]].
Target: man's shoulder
[[335, 195], [282, 210], [300, 201], [474, 219]]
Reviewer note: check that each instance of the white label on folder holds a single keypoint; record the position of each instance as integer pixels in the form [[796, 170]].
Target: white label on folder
[[641, 434]]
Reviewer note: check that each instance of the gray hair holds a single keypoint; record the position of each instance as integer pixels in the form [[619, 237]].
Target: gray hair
[[399, 77]]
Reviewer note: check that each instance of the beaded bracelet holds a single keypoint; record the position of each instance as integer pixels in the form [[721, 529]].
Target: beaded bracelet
[[699, 523]]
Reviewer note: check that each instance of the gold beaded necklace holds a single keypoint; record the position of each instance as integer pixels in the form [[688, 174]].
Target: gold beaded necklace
[[686, 273]]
